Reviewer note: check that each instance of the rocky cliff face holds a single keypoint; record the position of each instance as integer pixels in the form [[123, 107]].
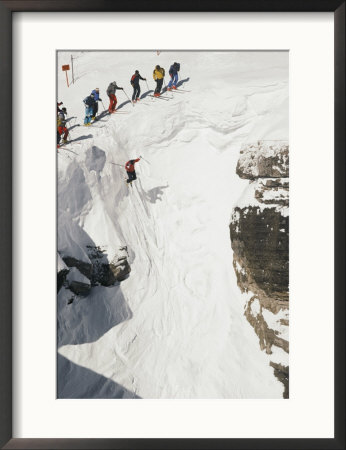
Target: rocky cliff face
[[259, 232]]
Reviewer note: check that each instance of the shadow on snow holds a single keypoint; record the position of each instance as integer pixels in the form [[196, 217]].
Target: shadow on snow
[[75, 381]]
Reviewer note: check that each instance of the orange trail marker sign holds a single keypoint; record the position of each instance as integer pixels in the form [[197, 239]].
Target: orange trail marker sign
[[65, 69]]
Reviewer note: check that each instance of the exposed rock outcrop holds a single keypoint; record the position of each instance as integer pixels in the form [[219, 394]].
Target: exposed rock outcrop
[[259, 232], [62, 271], [78, 283], [84, 267], [264, 159], [282, 373], [82, 276], [107, 273]]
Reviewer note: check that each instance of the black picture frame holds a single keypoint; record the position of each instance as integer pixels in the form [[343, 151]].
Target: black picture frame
[[6, 412]]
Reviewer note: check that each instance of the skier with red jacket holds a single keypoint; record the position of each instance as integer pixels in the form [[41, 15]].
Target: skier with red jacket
[[130, 169]]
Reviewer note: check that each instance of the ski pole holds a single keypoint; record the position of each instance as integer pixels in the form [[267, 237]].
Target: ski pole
[[128, 97], [144, 159], [166, 87], [120, 165], [147, 85], [104, 109]]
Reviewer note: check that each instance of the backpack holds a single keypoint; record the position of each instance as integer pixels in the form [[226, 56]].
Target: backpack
[[132, 79]]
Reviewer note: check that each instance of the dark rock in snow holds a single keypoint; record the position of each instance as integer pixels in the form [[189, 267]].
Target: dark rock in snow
[[83, 267], [260, 244], [78, 283], [61, 278], [107, 273], [267, 336], [79, 288], [63, 270], [98, 272], [282, 373]]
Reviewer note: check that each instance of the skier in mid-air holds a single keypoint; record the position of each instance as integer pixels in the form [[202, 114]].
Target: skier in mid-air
[[130, 169], [158, 75], [112, 97], [89, 103], [97, 98], [136, 87], [173, 73]]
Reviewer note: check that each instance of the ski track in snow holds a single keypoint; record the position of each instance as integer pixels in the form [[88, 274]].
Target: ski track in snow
[[175, 328]]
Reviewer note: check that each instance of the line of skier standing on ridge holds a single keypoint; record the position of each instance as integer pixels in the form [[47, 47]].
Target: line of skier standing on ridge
[[91, 105], [91, 102]]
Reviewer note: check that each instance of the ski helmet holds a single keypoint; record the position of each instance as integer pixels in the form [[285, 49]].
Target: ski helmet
[[137, 71], [158, 67], [92, 95]]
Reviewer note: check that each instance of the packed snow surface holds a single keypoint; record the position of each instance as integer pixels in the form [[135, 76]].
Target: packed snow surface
[[175, 328]]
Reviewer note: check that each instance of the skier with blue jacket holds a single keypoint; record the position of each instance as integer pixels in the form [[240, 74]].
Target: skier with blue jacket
[[89, 103], [173, 72], [97, 98]]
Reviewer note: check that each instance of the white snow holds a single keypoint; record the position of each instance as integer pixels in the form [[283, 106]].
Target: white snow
[[60, 263], [175, 328], [255, 307]]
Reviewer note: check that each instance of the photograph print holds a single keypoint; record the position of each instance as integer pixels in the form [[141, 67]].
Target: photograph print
[[172, 224]]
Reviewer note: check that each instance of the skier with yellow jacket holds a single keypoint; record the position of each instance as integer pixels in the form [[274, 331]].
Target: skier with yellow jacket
[[158, 75]]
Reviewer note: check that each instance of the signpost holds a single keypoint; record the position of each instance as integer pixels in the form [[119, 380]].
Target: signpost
[[65, 69], [72, 69]]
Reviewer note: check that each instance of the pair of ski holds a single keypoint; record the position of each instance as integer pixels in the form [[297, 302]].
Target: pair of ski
[[160, 97]]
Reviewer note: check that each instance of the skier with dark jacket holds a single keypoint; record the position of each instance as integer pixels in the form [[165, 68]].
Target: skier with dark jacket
[[136, 87], [89, 103], [62, 114], [130, 169], [173, 73], [97, 98], [112, 97]]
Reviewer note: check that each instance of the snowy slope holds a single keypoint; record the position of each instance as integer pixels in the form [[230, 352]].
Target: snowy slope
[[175, 328]]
